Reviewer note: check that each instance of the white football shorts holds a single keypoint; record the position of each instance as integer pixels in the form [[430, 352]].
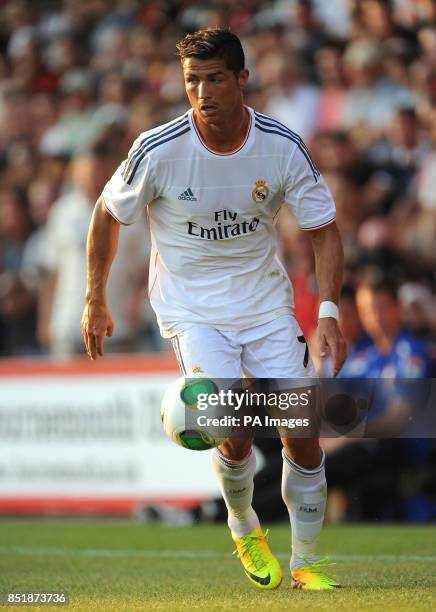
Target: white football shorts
[[272, 350]]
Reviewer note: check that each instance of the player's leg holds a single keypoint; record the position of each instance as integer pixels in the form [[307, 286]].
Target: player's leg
[[234, 464], [278, 351], [235, 477], [304, 491], [216, 354]]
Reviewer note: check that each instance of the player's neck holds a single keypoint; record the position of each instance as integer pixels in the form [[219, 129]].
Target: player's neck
[[226, 136]]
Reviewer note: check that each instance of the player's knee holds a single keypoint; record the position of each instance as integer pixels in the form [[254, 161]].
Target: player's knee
[[305, 452], [236, 449]]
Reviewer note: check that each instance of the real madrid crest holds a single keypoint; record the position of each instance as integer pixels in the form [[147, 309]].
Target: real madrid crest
[[260, 192]]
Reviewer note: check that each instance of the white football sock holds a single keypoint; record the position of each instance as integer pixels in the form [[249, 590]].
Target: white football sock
[[236, 484], [304, 492]]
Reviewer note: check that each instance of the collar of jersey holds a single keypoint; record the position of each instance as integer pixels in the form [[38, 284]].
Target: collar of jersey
[[197, 138]]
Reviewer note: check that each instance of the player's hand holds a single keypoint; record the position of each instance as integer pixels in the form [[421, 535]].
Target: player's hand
[[330, 340], [96, 324]]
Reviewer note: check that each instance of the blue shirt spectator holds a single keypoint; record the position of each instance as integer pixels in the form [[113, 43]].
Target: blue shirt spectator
[[395, 356]]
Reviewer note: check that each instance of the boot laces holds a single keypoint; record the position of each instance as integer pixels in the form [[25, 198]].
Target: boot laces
[[248, 545], [317, 567]]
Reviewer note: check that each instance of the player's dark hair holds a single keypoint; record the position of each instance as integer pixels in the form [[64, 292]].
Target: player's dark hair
[[212, 43]]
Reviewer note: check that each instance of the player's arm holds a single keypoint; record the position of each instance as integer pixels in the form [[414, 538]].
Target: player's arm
[[329, 263], [311, 202], [124, 196], [101, 247]]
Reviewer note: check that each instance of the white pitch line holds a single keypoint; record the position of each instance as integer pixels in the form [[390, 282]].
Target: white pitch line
[[184, 554], [383, 557], [111, 552]]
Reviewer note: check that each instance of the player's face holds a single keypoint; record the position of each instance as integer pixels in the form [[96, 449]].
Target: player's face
[[213, 90]]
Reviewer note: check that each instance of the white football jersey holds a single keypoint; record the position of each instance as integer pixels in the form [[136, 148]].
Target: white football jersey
[[214, 256]]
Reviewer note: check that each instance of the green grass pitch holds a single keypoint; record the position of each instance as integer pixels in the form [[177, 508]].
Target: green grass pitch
[[121, 566]]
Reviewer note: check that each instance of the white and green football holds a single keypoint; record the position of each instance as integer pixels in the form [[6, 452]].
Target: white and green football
[[179, 424]]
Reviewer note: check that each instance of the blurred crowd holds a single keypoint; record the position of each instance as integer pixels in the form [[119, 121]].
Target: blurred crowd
[[79, 79]]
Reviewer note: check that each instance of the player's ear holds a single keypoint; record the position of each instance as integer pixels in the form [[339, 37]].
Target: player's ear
[[243, 78]]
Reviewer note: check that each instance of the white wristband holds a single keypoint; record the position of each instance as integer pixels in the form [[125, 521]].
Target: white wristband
[[328, 309]]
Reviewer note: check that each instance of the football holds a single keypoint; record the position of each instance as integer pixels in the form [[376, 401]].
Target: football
[[179, 414]]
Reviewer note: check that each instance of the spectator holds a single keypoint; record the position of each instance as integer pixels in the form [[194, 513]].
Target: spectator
[[355, 336], [371, 99], [17, 303], [296, 102], [396, 352], [64, 263], [362, 466], [333, 88], [395, 158], [41, 195], [355, 79]]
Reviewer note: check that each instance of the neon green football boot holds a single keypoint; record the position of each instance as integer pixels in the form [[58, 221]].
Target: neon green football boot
[[260, 565], [311, 577]]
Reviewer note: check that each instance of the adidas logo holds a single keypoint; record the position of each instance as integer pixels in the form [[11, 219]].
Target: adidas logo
[[187, 195]]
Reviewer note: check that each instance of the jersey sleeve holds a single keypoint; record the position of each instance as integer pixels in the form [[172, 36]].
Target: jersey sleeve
[[306, 193], [132, 186]]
